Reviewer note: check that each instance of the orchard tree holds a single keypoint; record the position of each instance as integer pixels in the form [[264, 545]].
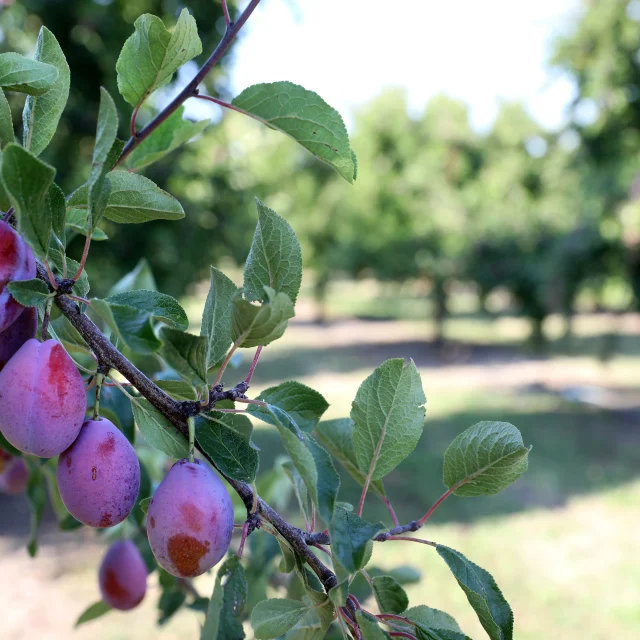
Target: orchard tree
[[97, 472]]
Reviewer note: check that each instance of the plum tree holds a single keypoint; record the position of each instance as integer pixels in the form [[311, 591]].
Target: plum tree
[[99, 475], [17, 262], [42, 399], [14, 476], [15, 335], [123, 576], [190, 520]]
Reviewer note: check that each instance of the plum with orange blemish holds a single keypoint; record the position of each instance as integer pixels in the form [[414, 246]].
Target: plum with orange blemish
[[99, 475], [42, 399], [190, 520], [14, 336], [17, 262], [123, 576]]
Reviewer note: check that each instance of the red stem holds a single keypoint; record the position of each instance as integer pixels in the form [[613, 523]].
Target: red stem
[[245, 533], [392, 513], [253, 365], [225, 10], [409, 539], [134, 117], [9, 215], [85, 253], [52, 278], [436, 504], [393, 616]]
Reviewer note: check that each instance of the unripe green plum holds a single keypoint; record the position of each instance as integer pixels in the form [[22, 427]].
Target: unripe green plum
[[16, 334], [17, 262], [190, 520], [13, 479], [123, 576], [99, 475], [42, 399]]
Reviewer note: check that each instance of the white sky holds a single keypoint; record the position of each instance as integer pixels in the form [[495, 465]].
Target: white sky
[[480, 51]]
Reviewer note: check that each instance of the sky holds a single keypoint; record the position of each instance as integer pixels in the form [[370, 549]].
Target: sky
[[348, 51]]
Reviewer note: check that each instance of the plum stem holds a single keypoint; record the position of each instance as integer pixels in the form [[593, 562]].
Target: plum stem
[[96, 407], [44, 333], [191, 422]]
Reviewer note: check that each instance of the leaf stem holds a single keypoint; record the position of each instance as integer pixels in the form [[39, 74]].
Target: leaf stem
[[85, 253], [409, 539], [402, 634], [253, 365], [436, 504], [9, 214], [225, 10], [191, 423], [245, 533], [191, 88], [96, 407], [392, 616], [45, 320], [224, 364], [391, 511]]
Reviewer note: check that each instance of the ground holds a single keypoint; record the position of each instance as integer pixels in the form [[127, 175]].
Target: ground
[[562, 542]]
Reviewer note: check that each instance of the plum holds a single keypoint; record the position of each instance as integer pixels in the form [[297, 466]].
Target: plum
[[99, 475], [42, 399], [15, 335], [123, 576], [13, 479], [190, 520], [17, 262]]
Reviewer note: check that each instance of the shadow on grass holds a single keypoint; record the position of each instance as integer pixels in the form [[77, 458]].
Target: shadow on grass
[[576, 450]]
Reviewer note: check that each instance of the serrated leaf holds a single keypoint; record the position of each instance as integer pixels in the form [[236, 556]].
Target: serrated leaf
[[99, 186], [27, 180], [133, 199], [390, 596], [172, 133], [304, 116], [255, 326], [288, 562], [57, 206], [272, 618], [221, 436], [140, 277], [96, 610], [29, 293], [77, 221], [485, 459], [275, 258], [216, 317], [151, 55], [41, 114], [349, 537], [303, 404], [67, 334], [158, 431], [336, 436], [389, 414], [36, 497], [185, 353], [156, 305], [369, 627], [482, 592], [433, 624], [18, 73], [6, 122], [314, 466], [224, 614]]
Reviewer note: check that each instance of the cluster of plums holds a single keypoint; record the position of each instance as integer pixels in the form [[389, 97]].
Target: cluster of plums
[[42, 413]]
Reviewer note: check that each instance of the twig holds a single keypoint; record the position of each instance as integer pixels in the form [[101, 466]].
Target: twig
[[253, 366], [392, 513], [225, 10], [85, 253]]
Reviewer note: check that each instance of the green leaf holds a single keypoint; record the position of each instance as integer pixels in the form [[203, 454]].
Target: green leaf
[[349, 537], [18, 73], [390, 596], [36, 497], [216, 317], [303, 404], [275, 258], [172, 133], [144, 505], [272, 618], [156, 305], [314, 466], [140, 278], [151, 55], [221, 436], [185, 353], [6, 123], [158, 431], [388, 413], [58, 259], [170, 602], [98, 186], [8, 447], [224, 615], [254, 326], [67, 334], [304, 116], [57, 207], [41, 114], [178, 389], [433, 624], [96, 610], [27, 181], [77, 221], [29, 293], [485, 459], [337, 437], [369, 627], [483, 593], [299, 489], [133, 199]]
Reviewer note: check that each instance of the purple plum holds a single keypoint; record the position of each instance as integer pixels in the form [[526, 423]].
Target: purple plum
[[123, 576], [190, 520], [17, 262], [42, 399], [99, 475], [15, 335]]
